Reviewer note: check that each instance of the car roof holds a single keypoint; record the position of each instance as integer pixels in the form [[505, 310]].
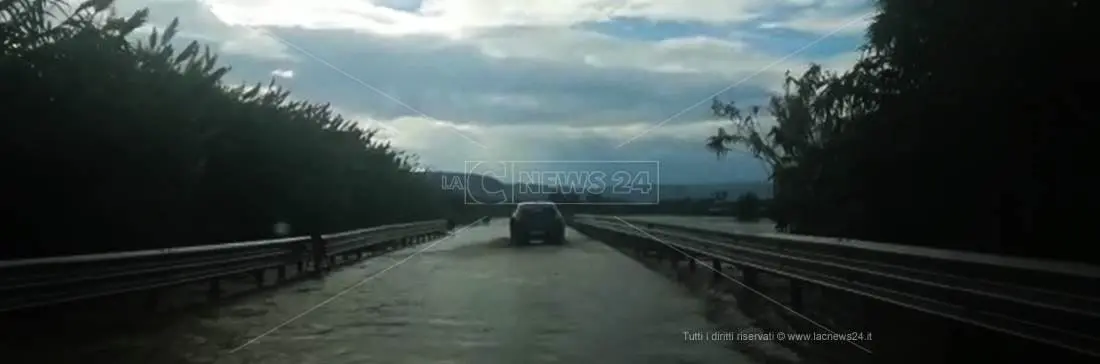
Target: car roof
[[536, 204]]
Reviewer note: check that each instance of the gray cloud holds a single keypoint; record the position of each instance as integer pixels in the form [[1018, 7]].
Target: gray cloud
[[458, 83], [519, 107]]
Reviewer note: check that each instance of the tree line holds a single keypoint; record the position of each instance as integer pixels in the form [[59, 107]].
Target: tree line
[[113, 144], [963, 125]]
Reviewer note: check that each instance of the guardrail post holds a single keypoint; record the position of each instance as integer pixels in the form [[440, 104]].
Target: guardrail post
[[716, 266], [640, 247], [298, 256], [319, 252], [749, 277], [259, 275], [652, 249], [152, 300], [691, 264], [796, 288], [281, 272], [215, 291]]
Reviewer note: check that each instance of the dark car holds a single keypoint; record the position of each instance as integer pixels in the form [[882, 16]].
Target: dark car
[[537, 220]]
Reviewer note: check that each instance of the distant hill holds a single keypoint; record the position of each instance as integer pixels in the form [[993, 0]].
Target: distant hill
[[491, 190], [482, 188]]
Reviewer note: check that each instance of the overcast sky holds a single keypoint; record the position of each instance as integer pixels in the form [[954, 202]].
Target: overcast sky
[[468, 80]]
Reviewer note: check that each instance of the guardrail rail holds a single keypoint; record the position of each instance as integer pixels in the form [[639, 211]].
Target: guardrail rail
[[1054, 303], [30, 283]]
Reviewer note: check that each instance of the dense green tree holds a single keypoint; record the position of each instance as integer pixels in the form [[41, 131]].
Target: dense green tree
[[112, 144], [748, 207], [962, 126]]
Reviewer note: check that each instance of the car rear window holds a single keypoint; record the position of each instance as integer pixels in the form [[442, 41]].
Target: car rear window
[[535, 209]]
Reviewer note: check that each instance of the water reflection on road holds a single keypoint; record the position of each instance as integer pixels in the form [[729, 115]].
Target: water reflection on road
[[470, 298]]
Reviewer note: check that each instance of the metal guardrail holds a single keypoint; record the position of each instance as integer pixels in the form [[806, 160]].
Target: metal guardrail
[[30, 283], [1055, 303]]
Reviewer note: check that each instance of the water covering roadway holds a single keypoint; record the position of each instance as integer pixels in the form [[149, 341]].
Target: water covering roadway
[[468, 298]]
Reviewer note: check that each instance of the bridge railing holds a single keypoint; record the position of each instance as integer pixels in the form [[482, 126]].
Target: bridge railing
[[1055, 303], [39, 282]]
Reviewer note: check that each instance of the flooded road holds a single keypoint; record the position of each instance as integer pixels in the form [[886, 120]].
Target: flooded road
[[469, 298]]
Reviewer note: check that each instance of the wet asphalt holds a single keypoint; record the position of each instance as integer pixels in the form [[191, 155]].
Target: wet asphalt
[[467, 298]]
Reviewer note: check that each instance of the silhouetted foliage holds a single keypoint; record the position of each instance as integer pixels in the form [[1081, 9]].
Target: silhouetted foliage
[[959, 128], [748, 207], [117, 145]]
